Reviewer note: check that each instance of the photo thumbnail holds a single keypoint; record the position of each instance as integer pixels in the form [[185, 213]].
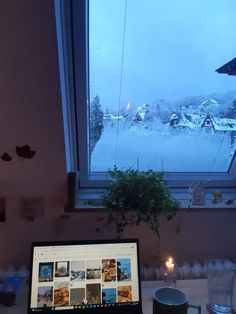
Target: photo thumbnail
[[45, 272], [77, 271], [123, 269], [61, 293], [125, 294], [77, 296], [93, 270], [108, 295], [44, 298], [93, 293], [62, 269], [108, 270]]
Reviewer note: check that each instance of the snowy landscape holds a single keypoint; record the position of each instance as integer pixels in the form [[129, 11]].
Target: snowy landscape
[[155, 68], [195, 134]]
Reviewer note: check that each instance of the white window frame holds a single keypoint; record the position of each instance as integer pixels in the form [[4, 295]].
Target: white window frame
[[72, 34]]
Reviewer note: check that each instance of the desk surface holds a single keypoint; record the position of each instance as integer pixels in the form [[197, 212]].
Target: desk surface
[[195, 288]]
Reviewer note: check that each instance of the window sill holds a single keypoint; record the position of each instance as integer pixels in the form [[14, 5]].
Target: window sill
[[86, 195]]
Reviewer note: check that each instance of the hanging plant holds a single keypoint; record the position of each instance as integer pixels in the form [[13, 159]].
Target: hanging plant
[[134, 197]]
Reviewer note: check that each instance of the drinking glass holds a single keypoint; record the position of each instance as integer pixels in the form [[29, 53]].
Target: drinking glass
[[221, 278]]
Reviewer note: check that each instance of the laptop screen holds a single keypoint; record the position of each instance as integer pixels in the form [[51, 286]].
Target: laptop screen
[[85, 277]]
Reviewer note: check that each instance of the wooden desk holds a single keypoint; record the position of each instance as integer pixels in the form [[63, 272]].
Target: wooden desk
[[195, 288]]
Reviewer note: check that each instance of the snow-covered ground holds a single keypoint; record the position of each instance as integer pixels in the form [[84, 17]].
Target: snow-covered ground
[[161, 148]]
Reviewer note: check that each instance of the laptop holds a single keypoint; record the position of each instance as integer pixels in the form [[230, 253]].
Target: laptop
[[90, 277]]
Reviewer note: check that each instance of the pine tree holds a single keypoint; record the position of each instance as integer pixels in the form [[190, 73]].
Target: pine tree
[[95, 123]]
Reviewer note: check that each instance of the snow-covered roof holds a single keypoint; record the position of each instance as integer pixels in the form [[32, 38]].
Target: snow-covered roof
[[224, 124], [142, 115], [220, 124], [209, 102], [228, 68], [187, 123], [139, 116], [110, 116], [174, 116], [142, 107], [194, 118]]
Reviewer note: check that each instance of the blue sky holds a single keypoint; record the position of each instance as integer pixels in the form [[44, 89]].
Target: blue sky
[[172, 49]]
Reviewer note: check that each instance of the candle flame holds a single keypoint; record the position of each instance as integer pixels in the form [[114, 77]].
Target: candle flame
[[170, 264]]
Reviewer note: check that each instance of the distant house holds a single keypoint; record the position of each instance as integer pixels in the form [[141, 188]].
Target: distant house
[[209, 102], [196, 119], [139, 116], [110, 116], [174, 119], [142, 110], [219, 124], [183, 122], [228, 68], [208, 123]]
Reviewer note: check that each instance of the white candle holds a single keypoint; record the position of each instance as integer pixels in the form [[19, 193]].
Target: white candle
[[170, 265]]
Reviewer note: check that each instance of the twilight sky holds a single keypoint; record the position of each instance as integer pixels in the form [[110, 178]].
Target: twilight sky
[[171, 50]]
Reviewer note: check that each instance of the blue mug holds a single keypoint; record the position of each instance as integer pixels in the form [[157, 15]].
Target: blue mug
[[168, 300]]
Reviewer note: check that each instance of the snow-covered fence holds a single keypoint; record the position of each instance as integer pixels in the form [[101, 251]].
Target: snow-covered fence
[[11, 271], [185, 271]]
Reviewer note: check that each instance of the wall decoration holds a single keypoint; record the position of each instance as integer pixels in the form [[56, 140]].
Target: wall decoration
[[2, 209], [25, 151], [6, 157]]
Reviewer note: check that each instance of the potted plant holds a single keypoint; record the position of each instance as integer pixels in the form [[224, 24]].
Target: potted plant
[[134, 197]]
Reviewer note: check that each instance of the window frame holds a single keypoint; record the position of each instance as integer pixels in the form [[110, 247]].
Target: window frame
[[73, 52]]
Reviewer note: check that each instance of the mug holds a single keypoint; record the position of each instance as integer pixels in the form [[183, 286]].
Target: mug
[[169, 300]]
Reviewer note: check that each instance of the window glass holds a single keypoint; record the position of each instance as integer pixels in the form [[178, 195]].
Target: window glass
[[156, 99]]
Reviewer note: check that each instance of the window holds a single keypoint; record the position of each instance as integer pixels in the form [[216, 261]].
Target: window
[[141, 89]]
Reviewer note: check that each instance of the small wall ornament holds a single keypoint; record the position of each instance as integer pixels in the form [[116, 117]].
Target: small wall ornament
[[24, 152], [6, 157]]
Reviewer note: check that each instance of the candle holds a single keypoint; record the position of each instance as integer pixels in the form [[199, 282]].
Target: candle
[[170, 265]]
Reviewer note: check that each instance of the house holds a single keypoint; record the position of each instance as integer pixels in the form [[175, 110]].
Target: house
[[141, 113], [228, 68], [31, 114], [209, 102], [110, 116], [139, 116], [183, 122], [174, 119], [219, 124], [208, 123]]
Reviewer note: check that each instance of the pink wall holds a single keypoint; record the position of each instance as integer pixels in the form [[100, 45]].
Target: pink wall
[[31, 114]]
